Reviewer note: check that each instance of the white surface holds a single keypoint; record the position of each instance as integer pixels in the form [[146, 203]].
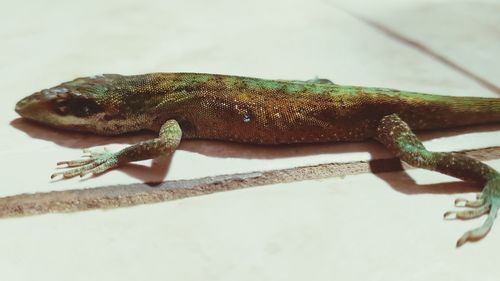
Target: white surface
[[351, 228]]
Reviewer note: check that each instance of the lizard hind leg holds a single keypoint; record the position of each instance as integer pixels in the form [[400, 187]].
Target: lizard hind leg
[[397, 136], [97, 162]]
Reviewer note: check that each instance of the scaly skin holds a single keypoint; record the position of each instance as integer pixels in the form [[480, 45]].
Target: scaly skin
[[231, 108]]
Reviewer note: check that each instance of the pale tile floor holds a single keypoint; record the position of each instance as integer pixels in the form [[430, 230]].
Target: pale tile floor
[[358, 227]]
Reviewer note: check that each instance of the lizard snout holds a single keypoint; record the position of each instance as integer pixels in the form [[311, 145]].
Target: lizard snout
[[24, 105], [39, 100]]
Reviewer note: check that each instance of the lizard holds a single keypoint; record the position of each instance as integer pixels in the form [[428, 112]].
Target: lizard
[[261, 111]]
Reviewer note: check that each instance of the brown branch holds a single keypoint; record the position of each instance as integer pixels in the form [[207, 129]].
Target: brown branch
[[116, 196]]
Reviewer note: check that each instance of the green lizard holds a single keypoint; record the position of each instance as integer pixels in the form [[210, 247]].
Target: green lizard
[[250, 110]]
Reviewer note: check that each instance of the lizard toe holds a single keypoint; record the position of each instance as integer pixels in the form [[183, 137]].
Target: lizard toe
[[488, 202], [480, 232], [109, 164], [468, 214], [461, 202], [97, 162]]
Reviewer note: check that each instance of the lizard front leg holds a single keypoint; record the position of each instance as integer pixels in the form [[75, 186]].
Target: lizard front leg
[[98, 162], [400, 140]]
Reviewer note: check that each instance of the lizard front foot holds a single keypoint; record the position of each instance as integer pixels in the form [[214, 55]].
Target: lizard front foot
[[487, 202], [96, 162]]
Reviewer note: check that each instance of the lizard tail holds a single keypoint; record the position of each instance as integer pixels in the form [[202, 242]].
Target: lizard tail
[[435, 112], [475, 110]]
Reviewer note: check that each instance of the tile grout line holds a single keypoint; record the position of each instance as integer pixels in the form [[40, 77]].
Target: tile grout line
[[117, 196], [423, 49]]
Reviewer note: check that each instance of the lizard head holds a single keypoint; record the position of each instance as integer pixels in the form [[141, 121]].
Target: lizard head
[[78, 105]]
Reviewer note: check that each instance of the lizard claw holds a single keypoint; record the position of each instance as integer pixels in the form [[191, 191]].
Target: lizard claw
[[487, 202], [97, 162]]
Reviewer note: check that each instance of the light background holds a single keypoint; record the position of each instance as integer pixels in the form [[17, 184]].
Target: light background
[[350, 228]]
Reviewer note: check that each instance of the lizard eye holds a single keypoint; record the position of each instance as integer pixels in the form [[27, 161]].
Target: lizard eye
[[85, 107], [63, 110], [60, 106], [77, 106]]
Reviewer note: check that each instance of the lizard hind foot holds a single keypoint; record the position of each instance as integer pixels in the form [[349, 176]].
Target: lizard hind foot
[[96, 162], [487, 202]]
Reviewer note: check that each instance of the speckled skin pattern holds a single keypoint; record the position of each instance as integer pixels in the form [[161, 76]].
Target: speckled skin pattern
[[251, 110]]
